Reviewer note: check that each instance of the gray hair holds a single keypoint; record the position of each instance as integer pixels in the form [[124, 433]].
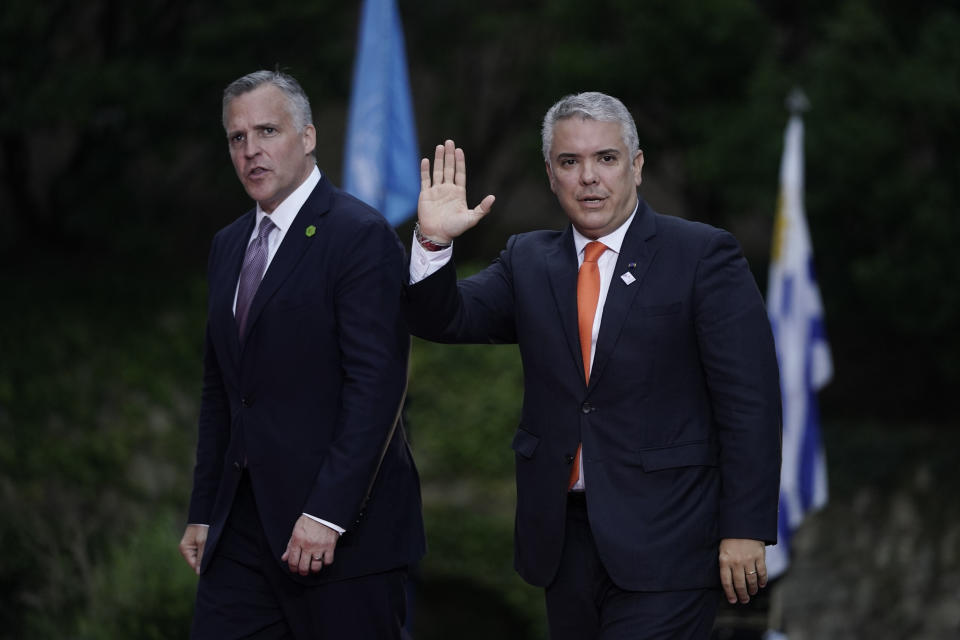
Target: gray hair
[[591, 105], [297, 102]]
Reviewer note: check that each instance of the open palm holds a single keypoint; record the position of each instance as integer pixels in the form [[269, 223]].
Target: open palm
[[442, 209]]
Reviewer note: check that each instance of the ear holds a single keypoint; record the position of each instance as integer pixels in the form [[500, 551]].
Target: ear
[[551, 178], [309, 135], [638, 167]]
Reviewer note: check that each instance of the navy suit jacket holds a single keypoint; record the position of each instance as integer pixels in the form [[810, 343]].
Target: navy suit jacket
[[680, 422], [307, 397]]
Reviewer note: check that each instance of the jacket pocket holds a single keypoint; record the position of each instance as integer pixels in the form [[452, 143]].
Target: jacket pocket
[[525, 443], [689, 454]]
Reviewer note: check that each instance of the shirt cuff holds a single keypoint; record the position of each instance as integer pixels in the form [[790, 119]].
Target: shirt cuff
[[339, 530], [425, 263]]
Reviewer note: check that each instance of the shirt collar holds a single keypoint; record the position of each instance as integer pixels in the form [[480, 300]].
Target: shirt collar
[[287, 210], [613, 240]]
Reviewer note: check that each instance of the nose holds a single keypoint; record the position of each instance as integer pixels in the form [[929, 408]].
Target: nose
[[250, 146], [588, 174]]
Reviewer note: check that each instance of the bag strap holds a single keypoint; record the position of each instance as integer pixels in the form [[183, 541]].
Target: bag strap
[[389, 438]]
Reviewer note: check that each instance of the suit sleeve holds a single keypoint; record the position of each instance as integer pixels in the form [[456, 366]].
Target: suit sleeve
[[213, 432], [374, 346], [478, 309], [740, 365]]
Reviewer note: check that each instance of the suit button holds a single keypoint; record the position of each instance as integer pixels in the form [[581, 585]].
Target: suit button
[[586, 407], [246, 401], [237, 466], [569, 458]]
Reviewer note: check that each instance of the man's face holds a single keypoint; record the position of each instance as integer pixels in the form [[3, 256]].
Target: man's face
[[592, 174], [270, 156]]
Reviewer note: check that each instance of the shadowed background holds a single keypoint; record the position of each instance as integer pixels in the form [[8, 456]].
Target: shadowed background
[[114, 176]]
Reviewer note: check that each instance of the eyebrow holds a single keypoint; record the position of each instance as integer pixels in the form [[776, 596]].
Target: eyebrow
[[256, 127], [601, 152]]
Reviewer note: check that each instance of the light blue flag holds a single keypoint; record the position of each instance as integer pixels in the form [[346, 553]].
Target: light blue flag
[[796, 315], [381, 160]]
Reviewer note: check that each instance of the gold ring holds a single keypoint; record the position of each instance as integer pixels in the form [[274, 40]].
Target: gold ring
[[751, 573]]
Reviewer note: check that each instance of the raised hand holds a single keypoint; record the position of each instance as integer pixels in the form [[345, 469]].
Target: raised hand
[[442, 210]]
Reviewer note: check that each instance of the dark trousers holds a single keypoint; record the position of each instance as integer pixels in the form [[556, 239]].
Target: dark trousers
[[245, 593], [584, 604]]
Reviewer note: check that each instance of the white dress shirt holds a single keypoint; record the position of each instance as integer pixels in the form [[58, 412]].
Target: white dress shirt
[[282, 217], [424, 263]]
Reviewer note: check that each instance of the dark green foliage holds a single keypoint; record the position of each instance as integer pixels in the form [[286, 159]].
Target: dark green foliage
[[143, 589], [97, 409], [463, 409], [114, 176]]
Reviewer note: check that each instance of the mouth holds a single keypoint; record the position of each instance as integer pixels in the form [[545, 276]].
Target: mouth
[[257, 172], [591, 200]]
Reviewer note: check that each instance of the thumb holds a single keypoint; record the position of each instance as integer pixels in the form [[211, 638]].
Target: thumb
[[484, 207]]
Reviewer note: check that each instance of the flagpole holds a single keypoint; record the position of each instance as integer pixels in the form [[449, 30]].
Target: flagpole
[[796, 317]]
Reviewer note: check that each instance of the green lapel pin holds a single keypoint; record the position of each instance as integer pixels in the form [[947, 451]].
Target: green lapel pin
[[311, 230]]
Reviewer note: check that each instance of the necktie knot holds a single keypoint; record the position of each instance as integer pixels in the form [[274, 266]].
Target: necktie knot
[[593, 251], [266, 226]]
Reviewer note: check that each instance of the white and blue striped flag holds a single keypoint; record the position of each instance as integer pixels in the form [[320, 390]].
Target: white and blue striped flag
[[796, 315], [381, 158]]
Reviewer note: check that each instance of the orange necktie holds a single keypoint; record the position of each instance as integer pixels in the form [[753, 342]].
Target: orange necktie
[[588, 293]]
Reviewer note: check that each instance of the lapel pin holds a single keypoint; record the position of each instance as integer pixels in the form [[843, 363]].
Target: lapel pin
[[311, 230], [628, 278]]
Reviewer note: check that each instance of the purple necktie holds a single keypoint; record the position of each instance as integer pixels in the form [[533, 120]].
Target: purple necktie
[[254, 263]]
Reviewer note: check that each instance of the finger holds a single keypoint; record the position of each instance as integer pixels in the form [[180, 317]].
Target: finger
[[316, 564], [201, 545], [293, 558], [449, 160], [740, 586], [460, 171], [752, 582], [189, 554], [484, 207], [761, 573], [424, 174], [305, 561], [726, 580], [438, 164]]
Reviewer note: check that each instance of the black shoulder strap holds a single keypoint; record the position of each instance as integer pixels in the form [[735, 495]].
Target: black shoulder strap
[[389, 438]]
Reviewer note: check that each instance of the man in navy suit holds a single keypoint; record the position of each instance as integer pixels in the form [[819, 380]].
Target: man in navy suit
[[305, 511], [648, 450]]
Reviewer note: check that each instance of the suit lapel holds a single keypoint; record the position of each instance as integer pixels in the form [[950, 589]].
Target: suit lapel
[[291, 250], [637, 252], [562, 270]]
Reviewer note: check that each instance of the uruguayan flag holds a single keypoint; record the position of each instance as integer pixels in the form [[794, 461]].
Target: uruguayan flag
[[381, 161], [796, 315]]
